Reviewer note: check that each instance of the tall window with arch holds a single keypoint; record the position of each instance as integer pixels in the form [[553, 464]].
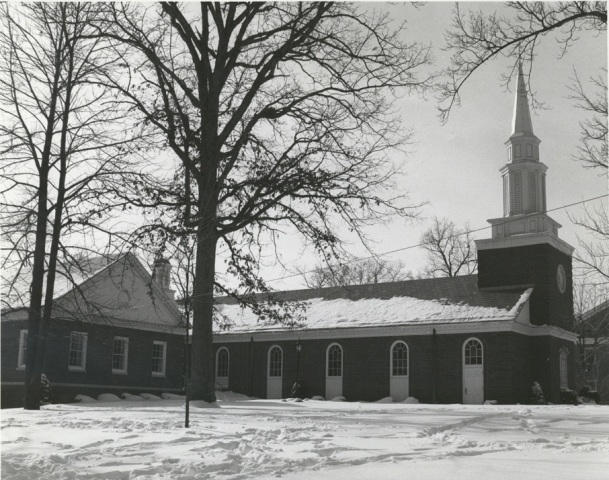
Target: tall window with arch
[[274, 379], [222, 367], [334, 371], [398, 371]]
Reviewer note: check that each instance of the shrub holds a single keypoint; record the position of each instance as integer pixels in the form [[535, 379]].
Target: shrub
[[589, 394], [536, 396], [45, 390], [568, 396]]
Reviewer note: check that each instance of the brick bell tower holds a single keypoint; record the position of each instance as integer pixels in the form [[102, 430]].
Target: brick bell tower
[[525, 248]]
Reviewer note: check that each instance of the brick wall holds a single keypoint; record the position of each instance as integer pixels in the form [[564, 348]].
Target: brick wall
[[66, 384], [546, 365], [536, 265], [508, 366]]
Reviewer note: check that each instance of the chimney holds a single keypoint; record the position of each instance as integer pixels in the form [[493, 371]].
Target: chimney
[[162, 275]]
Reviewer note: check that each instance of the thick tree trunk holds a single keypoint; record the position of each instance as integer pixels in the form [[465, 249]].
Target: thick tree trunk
[[202, 378]]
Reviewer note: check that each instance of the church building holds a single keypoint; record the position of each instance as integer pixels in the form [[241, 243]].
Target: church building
[[464, 339], [114, 328]]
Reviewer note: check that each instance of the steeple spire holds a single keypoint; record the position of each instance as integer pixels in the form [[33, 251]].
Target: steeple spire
[[523, 178], [521, 121]]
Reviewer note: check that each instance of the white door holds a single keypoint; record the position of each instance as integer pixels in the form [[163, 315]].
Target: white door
[[473, 372], [398, 373], [334, 371], [274, 379]]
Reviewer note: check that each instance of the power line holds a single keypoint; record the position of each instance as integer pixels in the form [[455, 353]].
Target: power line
[[420, 244], [361, 259]]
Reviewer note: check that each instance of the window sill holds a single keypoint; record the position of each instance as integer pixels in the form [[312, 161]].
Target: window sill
[[119, 372], [77, 369], [157, 374], [20, 368]]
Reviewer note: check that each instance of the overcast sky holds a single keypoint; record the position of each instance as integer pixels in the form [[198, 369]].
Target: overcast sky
[[455, 167]]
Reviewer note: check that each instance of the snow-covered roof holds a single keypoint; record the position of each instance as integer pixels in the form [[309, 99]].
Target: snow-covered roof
[[430, 301]]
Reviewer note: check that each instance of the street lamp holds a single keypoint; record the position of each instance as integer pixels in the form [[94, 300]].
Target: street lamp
[[296, 387]]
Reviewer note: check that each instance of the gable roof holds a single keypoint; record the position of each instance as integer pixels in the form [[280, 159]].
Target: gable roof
[[411, 302], [115, 290]]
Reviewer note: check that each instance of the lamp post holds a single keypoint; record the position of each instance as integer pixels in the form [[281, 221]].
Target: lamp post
[[296, 386]]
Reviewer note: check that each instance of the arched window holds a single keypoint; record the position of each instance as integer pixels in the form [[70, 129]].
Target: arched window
[[275, 361], [334, 361], [399, 359], [472, 352], [222, 362]]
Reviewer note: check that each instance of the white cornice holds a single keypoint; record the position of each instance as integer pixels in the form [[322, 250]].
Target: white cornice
[[523, 241], [108, 322], [524, 165]]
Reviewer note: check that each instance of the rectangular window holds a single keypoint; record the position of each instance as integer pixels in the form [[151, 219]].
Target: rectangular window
[[21, 357], [159, 350], [120, 352], [564, 377], [78, 351]]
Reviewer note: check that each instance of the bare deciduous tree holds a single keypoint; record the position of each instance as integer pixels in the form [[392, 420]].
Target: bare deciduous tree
[[593, 149], [373, 270], [280, 117], [61, 145], [477, 38], [591, 308], [450, 251]]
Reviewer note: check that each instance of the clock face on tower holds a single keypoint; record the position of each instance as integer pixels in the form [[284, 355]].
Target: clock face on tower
[[561, 279]]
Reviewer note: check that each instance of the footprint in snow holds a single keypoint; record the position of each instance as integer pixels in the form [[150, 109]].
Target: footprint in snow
[[529, 425]]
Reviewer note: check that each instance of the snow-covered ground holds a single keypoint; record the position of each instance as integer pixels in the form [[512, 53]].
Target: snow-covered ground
[[246, 439]]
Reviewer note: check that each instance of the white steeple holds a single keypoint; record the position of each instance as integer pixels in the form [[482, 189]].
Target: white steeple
[[524, 220], [524, 176]]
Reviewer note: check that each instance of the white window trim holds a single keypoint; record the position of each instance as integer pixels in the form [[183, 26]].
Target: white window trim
[[268, 363], [228, 362], [164, 363], [342, 365], [83, 367], [121, 371], [391, 360], [20, 356]]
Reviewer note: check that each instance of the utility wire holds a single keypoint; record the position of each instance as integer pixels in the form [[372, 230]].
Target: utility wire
[[421, 244]]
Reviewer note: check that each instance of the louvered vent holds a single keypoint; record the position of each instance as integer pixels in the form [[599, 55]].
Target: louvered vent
[[533, 191], [517, 192]]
